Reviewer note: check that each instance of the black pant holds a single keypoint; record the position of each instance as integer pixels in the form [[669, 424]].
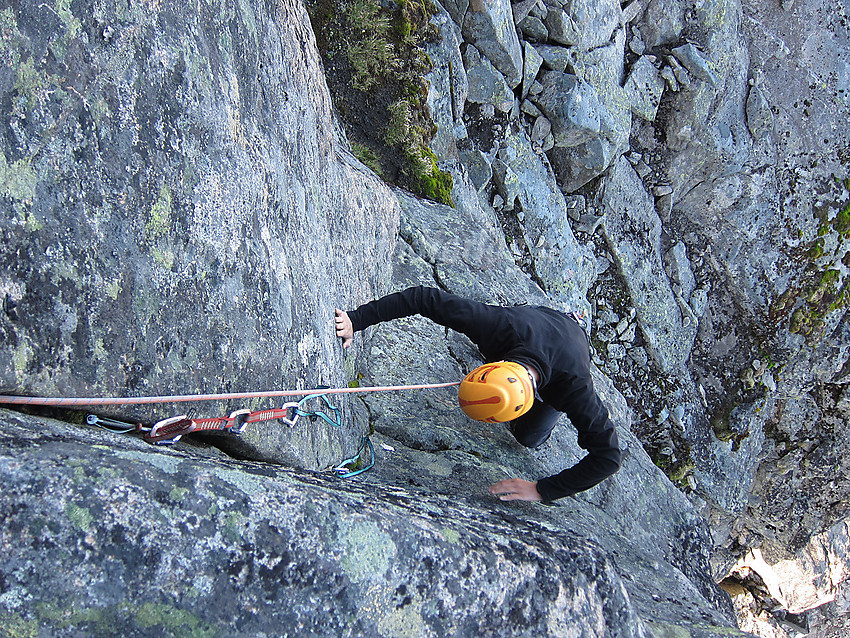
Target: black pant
[[534, 427]]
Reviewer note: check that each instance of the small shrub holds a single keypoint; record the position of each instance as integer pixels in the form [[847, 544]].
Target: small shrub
[[370, 51], [399, 125], [367, 156]]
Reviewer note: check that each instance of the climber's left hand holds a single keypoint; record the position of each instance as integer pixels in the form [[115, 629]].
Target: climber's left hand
[[515, 490]]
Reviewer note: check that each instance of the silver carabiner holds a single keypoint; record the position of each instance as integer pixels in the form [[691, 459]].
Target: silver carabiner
[[237, 421], [290, 406]]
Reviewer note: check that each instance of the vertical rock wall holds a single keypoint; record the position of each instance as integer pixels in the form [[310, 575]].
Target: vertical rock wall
[[703, 152], [179, 212]]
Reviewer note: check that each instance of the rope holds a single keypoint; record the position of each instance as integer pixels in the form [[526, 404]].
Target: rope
[[169, 431], [183, 398]]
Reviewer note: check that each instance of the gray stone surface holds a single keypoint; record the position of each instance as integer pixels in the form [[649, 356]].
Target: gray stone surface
[[562, 28], [434, 449], [644, 87], [533, 29], [413, 544], [174, 188], [695, 62], [555, 57], [180, 212], [532, 61], [740, 139], [478, 167], [489, 25], [486, 84], [448, 86], [632, 231], [572, 106], [662, 22], [136, 540], [456, 9], [562, 265], [577, 165], [586, 24]]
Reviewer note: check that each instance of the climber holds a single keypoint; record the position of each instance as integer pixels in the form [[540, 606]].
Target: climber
[[545, 350]]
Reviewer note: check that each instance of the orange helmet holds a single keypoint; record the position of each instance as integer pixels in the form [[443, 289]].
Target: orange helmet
[[496, 392]]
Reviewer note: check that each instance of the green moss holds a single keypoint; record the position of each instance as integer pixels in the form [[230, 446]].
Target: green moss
[[176, 621], [680, 473], [9, 33], [398, 128], [18, 180], [233, 527], [450, 535], [816, 250], [113, 289], [375, 54], [14, 626], [177, 494], [166, 620], [830, 277], [75, 616], [21, 358], [72, 24], [841, 223], [159, 223], [30, 83], [369, 50], [80, 517], [822, 289], [368, 551], [403, 27], [434, 183], [164, 258]]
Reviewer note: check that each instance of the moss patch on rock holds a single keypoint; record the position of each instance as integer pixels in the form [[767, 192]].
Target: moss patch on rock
[[375, 65], [822, 289]]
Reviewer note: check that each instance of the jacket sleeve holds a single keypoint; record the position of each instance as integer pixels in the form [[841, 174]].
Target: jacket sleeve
[[596, 434], [474, 319]]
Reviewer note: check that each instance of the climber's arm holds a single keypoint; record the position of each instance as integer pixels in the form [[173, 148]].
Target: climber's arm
[[476, 320]]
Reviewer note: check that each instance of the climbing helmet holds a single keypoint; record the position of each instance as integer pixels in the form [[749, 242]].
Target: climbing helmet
[[496, 392]]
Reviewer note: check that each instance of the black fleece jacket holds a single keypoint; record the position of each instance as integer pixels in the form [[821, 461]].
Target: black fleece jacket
[[540, 337]]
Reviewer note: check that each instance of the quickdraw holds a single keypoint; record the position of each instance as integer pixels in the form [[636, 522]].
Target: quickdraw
[[169, 431]]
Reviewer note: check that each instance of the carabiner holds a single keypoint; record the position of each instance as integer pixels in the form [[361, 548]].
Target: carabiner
[[112, 425], [175, 427], [343, 472], [290, 406], [336, 421]]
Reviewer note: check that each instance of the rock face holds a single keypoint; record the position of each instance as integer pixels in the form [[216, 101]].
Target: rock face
[[180, 213], [104, 535], [171, 183], [688, 134]]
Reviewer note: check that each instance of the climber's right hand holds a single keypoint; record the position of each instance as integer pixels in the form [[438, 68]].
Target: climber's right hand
[[344, 328]]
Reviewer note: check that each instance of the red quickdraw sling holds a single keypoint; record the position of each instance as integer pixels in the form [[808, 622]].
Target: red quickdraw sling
[[169, 431]]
